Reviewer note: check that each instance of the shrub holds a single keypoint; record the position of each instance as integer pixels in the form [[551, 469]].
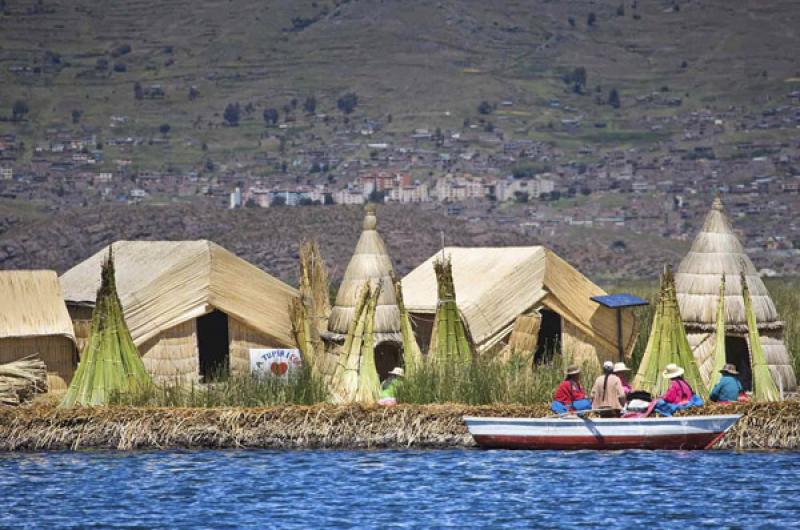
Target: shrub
[[347, 103], [232, 114]]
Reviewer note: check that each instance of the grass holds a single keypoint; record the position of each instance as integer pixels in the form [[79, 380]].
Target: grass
[[486, 382], [302, 387]]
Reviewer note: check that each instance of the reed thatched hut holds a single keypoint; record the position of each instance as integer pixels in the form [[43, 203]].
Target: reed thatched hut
[[716, 251], [529, 290], [35, 321], [371, 265], [192, 307]]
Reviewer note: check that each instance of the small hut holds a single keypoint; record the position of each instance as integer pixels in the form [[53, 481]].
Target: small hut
[[35, 321], [506, 294], [192, 307], [370, 265], [717, 251]]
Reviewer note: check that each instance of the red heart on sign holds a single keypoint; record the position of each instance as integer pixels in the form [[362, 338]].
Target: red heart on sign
[[279, 368]]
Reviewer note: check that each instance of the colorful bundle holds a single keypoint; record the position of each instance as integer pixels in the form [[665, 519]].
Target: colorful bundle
[[110, 363]]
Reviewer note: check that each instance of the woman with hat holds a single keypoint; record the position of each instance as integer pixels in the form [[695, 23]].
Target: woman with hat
[[620, 370], [729, 387], [679, 391], [570, 395], [389, 386]]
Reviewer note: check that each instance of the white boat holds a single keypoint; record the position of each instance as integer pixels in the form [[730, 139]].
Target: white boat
[[574, 432]]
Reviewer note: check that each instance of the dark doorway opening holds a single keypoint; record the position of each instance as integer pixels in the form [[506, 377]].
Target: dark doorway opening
[[737, 352], [548, 342], [387, 356], [213, 346]]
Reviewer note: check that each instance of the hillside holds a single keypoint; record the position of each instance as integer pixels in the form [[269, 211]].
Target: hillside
[[270, 237], [425, 63]]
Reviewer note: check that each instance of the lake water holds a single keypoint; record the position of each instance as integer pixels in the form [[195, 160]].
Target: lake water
[[372, 489]]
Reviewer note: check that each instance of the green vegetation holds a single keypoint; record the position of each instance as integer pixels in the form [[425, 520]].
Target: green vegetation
[[301, 387], [486, 381]]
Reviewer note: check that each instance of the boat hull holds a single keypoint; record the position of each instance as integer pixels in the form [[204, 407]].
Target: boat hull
[[571, 433]]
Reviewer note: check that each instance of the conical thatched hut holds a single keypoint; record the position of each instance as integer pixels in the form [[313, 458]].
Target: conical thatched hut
[[370, 265], [716, 251]]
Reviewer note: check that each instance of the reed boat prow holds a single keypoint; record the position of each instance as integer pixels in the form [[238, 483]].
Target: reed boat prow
[[574, 432]]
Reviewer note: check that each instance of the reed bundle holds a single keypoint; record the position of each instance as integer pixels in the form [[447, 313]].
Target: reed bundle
[[110, 363], [355, 377], [449, 340], [667, 344], [764, 388], [720, 356], [20, 380], [412, 356]]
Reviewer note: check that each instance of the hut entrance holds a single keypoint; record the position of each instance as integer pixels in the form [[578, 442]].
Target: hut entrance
[[213, 345], [387, 356], [548, 342], [737, 352]]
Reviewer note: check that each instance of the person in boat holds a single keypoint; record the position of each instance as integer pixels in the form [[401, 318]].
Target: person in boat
[[621, 371], [679, 392], [729, 387], [389, 386], [570, 395], [608, 392], [679, 395]]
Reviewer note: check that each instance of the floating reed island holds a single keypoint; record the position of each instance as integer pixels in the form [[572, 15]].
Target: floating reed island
[[764, 426]]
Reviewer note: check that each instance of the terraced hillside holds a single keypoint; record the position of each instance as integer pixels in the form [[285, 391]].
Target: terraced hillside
[[76, 64]]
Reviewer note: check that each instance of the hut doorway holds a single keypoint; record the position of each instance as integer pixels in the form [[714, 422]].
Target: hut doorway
[[737, 352], [212, 345], [548, 342], [387, 356]]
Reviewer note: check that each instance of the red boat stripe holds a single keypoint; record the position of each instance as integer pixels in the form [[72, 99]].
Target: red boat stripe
[[671, 441]]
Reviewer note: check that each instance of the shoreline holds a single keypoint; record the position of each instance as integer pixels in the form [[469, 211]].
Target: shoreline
[[764, 426]]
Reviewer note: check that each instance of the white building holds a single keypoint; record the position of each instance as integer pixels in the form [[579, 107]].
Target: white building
[[6, 173]]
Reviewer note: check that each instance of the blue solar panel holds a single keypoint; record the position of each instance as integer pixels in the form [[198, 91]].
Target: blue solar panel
[[619, 300]]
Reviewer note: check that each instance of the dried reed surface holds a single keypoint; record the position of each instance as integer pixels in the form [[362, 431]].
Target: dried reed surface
[[20, 380], [44, 427]]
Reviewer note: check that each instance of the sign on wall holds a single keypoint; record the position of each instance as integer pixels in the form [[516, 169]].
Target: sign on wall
[[274, 361]]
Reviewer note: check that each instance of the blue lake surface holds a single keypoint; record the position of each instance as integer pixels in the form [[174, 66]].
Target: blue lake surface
[[414, 489]]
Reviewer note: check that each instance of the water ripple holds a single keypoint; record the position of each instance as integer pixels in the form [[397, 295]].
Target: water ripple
[[402, 489]]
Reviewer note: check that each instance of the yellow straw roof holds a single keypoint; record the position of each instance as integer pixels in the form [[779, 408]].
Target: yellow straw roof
[[164, 283], [497, 284], [31, 305]]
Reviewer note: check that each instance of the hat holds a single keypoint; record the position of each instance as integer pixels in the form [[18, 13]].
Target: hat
[[672, 371], [620, 367], [608, 366], [573, 369], [729, 369], [397, 371]]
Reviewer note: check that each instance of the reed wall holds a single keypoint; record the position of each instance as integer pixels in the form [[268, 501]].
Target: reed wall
[[57, 353]]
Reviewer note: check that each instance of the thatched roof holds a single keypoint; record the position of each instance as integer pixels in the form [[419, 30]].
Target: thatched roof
[[497, 284], [164, 283], [370, 264], [716, 251], [31, 305]]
